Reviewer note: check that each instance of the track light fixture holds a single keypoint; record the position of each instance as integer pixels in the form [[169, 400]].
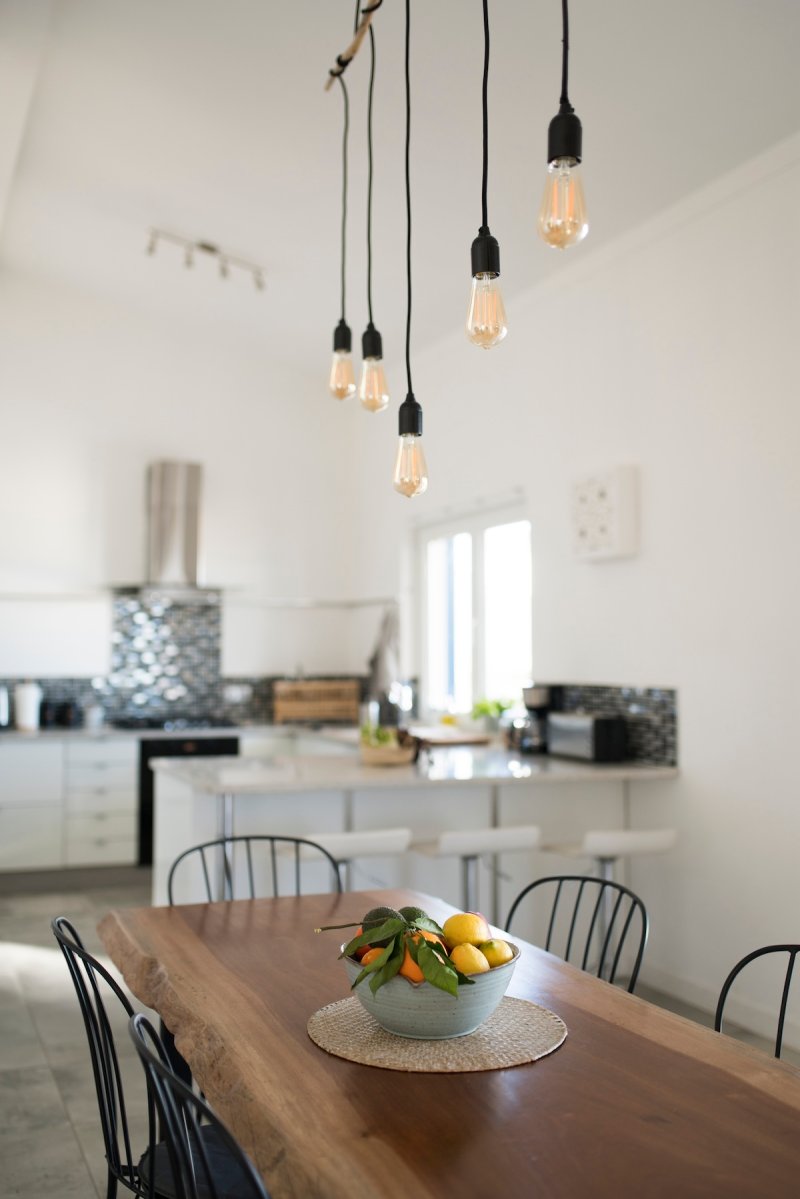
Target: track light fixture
[[192, 248]]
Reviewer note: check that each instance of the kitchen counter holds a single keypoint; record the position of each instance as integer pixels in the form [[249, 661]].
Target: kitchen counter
[[462, 766], [199, 799]]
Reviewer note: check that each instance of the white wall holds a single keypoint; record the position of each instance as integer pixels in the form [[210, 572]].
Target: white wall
[[674, 350], [90, 392]]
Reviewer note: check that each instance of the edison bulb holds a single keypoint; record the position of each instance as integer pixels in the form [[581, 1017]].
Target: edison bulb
[[410, 468], [342, 381], [486, 319], [373, 390], [562, 217]]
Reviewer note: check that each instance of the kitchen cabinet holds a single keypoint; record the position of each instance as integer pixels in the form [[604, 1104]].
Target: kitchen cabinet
[[100, 802], [31, 793]]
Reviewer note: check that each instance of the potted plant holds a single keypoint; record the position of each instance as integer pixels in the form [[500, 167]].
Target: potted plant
[[490, 711]]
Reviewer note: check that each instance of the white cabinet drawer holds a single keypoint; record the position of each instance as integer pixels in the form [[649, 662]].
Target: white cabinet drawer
[[100, 851], [102, 749], [118, 775], [30, 837], [100, 799], [31, 773], [101, 824]]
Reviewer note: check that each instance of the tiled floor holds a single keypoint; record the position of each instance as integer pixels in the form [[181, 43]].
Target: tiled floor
[[50, 1142]]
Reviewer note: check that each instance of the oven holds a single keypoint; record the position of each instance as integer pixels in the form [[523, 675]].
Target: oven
[[186, 746]]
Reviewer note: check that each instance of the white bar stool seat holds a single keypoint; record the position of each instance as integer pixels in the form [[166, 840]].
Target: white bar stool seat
[[605, 846], [472, 843], [362, 843]]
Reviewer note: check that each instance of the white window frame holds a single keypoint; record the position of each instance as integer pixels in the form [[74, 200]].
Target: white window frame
[[475, 522]]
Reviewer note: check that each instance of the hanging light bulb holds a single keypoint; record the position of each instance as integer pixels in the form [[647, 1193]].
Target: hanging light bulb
[[373, 390], [486, 317], [342, 382], [562, 216], [410, 467]]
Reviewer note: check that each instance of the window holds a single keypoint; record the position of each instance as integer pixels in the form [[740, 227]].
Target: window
[[476, 610]]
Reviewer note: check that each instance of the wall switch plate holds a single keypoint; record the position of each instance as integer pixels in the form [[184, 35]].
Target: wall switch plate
[[605, 514]]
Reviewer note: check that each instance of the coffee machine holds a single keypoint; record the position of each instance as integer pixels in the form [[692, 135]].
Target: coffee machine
[[528, 734]]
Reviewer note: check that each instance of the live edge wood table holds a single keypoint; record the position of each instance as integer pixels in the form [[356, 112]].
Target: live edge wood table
[[636, 1103]]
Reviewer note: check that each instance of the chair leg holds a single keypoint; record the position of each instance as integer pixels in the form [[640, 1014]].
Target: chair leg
[[111, 1189], [469, 882]]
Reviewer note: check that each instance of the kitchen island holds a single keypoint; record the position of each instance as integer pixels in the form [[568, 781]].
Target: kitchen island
[[466, 787]]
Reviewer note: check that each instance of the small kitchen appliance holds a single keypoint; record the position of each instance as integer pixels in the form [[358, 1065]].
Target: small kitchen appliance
[[589, 737], [528, 734]]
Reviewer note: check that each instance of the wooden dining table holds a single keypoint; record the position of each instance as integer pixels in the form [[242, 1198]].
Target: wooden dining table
[[636, 1103]]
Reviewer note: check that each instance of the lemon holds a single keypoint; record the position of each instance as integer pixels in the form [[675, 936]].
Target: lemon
[[497, 953], [467, 928], [469, 960]]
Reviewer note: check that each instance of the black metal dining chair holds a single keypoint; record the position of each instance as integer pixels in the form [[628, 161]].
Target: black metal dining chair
[[203, 1159], [792, 952], [587, 917], [92, 981], [264, 855]]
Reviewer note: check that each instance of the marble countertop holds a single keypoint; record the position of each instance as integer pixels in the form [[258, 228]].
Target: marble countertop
[[454, 767]]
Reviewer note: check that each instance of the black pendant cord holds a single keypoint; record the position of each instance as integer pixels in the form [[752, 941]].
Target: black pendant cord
[[564, 101], [485, 180], [408, 197], [369, 169], [344, 184]]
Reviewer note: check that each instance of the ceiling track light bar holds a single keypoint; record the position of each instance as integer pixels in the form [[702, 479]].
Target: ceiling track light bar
[[344, 59], [192, 247]]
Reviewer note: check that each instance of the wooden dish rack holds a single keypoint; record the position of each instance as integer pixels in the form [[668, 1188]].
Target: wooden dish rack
[[316, 699]]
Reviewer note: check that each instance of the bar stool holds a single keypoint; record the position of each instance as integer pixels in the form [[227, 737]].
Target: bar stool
[[606, 846], [362, 843], [473, 843]]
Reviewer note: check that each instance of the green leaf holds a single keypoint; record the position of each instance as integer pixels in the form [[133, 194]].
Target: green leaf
[[389, 928], [429, 925], [445, 977], [375, 964], [389, 969]]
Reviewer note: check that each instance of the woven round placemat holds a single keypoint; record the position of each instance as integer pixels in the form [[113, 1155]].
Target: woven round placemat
[[517, 1032]]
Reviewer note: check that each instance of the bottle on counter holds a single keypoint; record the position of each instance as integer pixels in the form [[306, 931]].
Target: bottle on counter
[[27, 701]]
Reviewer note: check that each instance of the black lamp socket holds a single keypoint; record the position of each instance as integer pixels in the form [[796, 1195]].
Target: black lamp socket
[[410, 414], [565, 136], [342, 338], [485, 254], [371, 342]]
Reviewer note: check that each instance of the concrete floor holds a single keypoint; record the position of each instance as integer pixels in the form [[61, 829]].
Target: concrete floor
[[50, 1141]]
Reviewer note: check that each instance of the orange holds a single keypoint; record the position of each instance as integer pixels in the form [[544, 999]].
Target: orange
[[409, 968], [371, 955], [359, 953]]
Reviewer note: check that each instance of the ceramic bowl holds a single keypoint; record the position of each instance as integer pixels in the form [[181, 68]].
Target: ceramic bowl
[[428, 1014]]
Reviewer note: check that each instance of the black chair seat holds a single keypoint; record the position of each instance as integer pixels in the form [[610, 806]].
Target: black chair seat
[[230, 1179]]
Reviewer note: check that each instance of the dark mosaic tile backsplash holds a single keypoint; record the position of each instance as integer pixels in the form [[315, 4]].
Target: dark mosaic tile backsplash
[[651, 717]]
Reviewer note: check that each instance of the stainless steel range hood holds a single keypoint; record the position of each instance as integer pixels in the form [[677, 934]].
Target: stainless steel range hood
[[174, 496]]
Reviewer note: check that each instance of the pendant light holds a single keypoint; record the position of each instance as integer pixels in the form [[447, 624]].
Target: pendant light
[[486, 318], [410, 469], [373, 390], [562, 217], [342, 382]]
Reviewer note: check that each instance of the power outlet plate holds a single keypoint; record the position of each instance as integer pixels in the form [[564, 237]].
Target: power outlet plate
[[605, 514]]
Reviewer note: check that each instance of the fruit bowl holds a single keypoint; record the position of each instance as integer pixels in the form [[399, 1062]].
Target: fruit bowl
[[425, 1012]]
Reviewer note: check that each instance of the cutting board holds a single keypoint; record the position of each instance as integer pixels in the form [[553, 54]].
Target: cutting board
[[442, 734]]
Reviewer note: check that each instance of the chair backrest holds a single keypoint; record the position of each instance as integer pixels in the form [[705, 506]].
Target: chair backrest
[[250, 867], [791, 951], [206, 1160], [590, 922], [92, 981]]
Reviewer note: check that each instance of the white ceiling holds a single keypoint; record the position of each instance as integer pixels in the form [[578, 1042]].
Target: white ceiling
[[210, 119]]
